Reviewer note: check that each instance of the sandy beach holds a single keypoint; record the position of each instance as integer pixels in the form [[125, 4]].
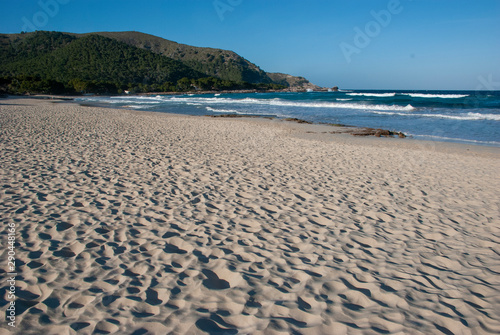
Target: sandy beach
[[147, 223]]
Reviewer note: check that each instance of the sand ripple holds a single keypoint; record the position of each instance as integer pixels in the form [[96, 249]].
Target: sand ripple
[[137, 223]]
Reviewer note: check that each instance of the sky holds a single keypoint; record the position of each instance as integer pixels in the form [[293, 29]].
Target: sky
[[352, 44]]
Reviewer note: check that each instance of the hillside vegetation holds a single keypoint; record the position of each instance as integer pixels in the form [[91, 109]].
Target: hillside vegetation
[[55, 62], [219, 63]]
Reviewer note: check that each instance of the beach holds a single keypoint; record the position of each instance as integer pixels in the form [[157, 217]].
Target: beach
[[131, 222]]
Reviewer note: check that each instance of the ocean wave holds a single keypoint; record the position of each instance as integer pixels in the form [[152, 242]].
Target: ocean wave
[[344, 99], [464, 117], [287, 103], [378, 95], [441, 96], [479, 116], [216, 110], [339, 105], [140, 98], [122, 102], [127, 100], [141, 102], [136, 106], [453, 139]]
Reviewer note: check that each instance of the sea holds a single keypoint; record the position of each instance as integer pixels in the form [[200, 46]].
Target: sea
[[471, 117]]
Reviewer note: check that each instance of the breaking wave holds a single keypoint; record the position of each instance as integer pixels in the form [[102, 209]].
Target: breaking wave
[[378, 95], [440, 96], [287, 103], [463, 116], [216, 110]]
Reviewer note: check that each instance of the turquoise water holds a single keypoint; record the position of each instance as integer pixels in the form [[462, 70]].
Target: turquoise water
[[466, 116]]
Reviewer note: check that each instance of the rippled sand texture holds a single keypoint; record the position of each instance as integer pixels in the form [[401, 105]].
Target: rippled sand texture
[[136, 223]]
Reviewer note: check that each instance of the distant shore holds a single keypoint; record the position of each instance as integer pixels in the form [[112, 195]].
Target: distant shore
[[291, 89]]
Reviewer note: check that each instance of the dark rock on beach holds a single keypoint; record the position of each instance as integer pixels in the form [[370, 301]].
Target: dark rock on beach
[[376, 133]]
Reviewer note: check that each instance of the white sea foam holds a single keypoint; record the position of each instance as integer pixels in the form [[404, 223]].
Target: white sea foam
[[441, 96], [139, 97], [218, 110], [444, 138], [479, 116], [130, 100], [122, 101], [378, 95], [197, 101], [463, 116], [137, 106], [288, 103]]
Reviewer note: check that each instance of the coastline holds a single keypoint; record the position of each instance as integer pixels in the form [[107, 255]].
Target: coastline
[[413, 129], [163, 223], [336, 128]]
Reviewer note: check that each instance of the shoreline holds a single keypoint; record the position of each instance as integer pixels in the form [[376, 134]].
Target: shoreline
[[333, 129], [134, 221], [338, 128]]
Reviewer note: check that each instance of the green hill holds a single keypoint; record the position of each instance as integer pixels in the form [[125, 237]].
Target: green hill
[[111, 62], [219, 63], [93, 62], [223, 64], [18, 47]]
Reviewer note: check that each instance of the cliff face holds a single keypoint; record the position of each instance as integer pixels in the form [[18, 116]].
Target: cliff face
[[292, 82]]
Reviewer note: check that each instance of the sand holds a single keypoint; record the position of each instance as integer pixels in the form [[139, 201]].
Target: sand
[[150, 223]]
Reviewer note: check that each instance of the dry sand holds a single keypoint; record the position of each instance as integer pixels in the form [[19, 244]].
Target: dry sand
[[144, 223]]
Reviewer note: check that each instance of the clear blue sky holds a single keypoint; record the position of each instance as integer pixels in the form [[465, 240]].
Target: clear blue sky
[[414, 44]]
